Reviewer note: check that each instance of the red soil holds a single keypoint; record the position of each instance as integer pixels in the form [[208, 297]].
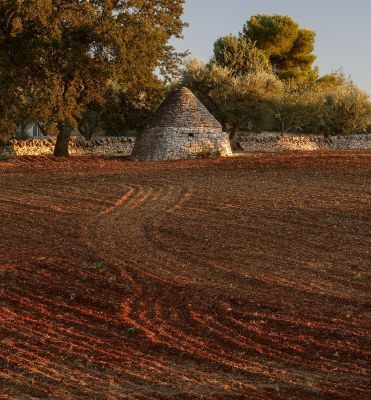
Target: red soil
[[244, 278]]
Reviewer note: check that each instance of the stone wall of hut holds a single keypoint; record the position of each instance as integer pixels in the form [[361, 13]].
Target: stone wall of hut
[[182, 143]]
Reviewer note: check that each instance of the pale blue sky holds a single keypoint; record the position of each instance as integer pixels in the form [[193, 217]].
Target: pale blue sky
[[343, 29]]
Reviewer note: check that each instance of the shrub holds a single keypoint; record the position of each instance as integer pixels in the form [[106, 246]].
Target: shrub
[[300, 108], [332, 107], [347, 110]]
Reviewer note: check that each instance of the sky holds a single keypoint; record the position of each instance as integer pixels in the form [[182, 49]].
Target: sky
[[343, 29]]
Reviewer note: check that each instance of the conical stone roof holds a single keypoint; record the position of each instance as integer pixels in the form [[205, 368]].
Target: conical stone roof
[[182, 109]]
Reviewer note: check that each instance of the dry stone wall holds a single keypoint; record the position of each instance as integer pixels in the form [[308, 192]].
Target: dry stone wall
[[276, 143], [103, 146], [193, 143]]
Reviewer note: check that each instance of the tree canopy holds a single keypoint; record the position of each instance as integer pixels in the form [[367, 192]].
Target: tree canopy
[[240, 55], [60, 57], [289, 47]]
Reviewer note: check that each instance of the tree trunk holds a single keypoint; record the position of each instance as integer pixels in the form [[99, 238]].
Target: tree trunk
[[233, 137], [282, 128], [42, 128], [63, 140]]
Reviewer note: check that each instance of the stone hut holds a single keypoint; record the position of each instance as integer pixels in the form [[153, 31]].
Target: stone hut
[[182, 127]]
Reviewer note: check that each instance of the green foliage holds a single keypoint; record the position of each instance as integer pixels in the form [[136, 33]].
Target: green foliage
[[289, 48], [347, 110], [332, 105], [333, 79], [59, 58], [359, 277], [125, 113], [240, 56], [300, 108], [259, 101], [275, 34], [121, 113], [99, 265]]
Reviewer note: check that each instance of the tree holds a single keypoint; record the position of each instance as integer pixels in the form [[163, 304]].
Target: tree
[[289, 48], [58, 58], [300, 109], [128, 113], [121, 112], [347, 109], [243, 101], [240, 55], [332, 105]]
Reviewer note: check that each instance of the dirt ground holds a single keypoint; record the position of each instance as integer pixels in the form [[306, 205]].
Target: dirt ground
[[243, 278]]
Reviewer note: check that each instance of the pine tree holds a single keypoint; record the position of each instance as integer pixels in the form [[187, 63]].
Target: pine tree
[[289, 48]]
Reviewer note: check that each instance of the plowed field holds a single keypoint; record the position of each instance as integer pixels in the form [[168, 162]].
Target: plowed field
[[243, 278]]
